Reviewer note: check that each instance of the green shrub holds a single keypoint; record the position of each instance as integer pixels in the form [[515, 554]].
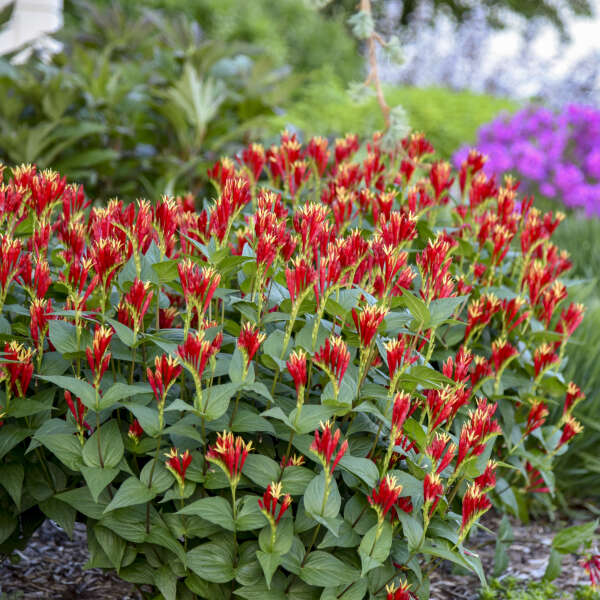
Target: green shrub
[[378, 351], [450, 119]]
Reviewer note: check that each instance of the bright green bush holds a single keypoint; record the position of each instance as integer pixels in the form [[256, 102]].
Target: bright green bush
[[448, 118]]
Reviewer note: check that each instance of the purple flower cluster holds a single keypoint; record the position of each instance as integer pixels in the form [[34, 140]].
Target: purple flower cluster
[[557, 154]]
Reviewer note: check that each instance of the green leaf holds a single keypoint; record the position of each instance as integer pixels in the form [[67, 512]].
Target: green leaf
[[81, 499], [325, 570], [261, 469], [113, 545], [295, 480], [236, 366], [213, 561], [166, 582], [11, 479], [310, 417], [363, 468], [131, 492], [247, 421], [269, 561], [250, 517], [443, 308], [81, 389], [65, 447], [111, 447], [217, 399], [568, 540], [61, 512], [214, 509], [445, 550], [554, 566], [413, 530], [314, 498], [10, 436], [356, 591], [417, 308], [97, 479], [120, 391], [63, 336], [374, 549], [124, 333], [284, 536], [147, 417]]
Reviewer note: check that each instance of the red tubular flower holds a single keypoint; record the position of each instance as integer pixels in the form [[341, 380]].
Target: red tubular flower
[[537, 278], [309, 221], [41, 278], [98, 356], [458, 369], [399, 228], [229, 453], [480, 313], [266, 251], [178, 464], [299, 278], [573, 398], [398, 354], [439, 403], [367, 323], [135, 432], [502, 353], [78, 411], [543, 358], [346, 147], [571, 428], [325, 444], [592, 568], [536, 417], [402, 592], [10, 251], [134, 304], [166, 316], [510, 313], [296, 365], [234, 196], [441, 451], [249, 341], [385, 496], [400, 412], [269, 503], [535, 481], [107, 256], [333, 357], [570, 319], [487, 480], [166, 371], [254, 159], [417, 145], [293, 461], [474, 504], [221, 172], [17, 365], [196, 351], [440, 179], [432, 492], [477, 431], [199, 285], [470, 166], [317, 150], [550, 299], [482, 370], [40, 312]]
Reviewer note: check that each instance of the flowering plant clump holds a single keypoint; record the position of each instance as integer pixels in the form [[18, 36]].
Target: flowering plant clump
[[557, 154], [312, 387]]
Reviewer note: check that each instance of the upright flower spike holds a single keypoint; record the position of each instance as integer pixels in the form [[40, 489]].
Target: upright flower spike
[[318, 152], [254, 159], [571, 428], [249, 342], [510, 313], [536, 417], [40, 312], [480, 313], [198, 284], [325, 444], [591, 564], [399, 356], [98, 356], [17, 368], [439, 177], [487, 480], [367, 323], [400, 592], [270, 507], [135, 432], [296, 365], [544, 358], [573, 398], [432, 492], [400, 411], [384, 496], [477, 431], [474, 504], [10, 250], [166, 371], [78, 410], [195, 352], [107, 256], [299, 279], [134, 304], [293, 461], [229, 454], [502, 353], [178, 465], [441, 451], [333, 357], [570, 319]]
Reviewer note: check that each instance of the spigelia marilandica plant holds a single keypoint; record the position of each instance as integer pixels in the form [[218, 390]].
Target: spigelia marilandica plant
[[310, 387]]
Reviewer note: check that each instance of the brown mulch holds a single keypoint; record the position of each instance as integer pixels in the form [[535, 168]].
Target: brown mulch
[[51, 567]]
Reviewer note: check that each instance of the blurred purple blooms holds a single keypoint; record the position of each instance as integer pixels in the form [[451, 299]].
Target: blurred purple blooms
[[557, 154]]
